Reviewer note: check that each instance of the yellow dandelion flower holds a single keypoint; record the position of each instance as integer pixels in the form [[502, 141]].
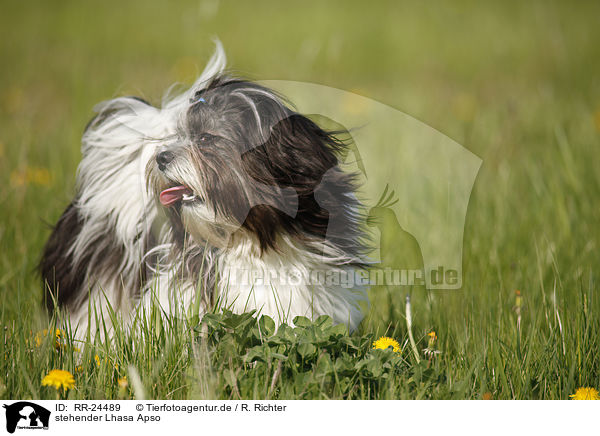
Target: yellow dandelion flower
[[432, 339], [123, 382], [30, 175], [39, 336], [431, 351], [518, 299], [17, 179], [59, 379], [383, 343], [40, 176], [97, 359], [38, 340], [585, 394]]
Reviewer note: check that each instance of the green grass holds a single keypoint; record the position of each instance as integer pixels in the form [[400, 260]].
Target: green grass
[[516, 83]]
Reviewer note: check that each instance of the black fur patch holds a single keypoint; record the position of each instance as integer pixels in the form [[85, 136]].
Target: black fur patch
[[65, 277], [61, 278]]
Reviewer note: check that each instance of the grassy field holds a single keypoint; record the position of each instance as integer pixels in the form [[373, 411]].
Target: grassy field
[[517, 83]]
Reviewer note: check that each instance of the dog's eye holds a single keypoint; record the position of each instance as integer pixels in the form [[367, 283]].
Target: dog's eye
[[206, 138]]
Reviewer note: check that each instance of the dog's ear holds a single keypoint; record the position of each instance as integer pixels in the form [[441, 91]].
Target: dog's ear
[[346, 148], [297, 153], [300, 154]]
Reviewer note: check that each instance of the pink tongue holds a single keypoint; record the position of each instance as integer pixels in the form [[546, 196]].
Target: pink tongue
[[173, 195]]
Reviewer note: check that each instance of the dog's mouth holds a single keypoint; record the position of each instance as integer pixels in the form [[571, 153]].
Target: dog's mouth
[[182, 193]]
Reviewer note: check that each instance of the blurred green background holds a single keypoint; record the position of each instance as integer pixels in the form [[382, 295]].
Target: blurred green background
[[517, 83]]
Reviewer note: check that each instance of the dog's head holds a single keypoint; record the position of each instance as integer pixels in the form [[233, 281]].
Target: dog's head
[[244, 165]]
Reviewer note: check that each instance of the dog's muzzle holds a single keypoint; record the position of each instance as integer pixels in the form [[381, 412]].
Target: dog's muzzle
[[163, 159]]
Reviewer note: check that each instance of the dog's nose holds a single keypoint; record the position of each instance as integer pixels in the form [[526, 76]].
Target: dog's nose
[[163, 158]]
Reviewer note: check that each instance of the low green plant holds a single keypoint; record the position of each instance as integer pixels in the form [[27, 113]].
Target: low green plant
[[316, 359]]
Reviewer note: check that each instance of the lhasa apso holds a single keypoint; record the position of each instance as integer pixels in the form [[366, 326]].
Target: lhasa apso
[[223, 195]]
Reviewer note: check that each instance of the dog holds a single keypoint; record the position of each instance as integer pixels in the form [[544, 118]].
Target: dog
[[224, 196]]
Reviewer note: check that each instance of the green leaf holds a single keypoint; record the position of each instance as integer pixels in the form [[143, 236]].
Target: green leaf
[[279, 356], [212, 320], [286, 333], [344, 365], [306, 349], [324, 321], [301, 380], [324, 365], [267, 326], [229, 378], [349, 342], [236, 321], [256, 353], [337, 330], [374, 367], [302, 321]]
